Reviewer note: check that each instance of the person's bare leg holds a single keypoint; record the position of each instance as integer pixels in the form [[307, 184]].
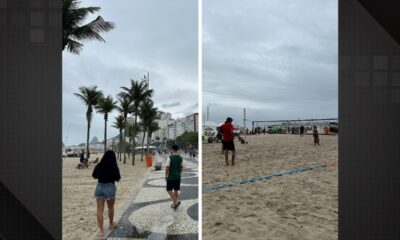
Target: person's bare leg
[[233, 157], [100, 218], [110, 206], [226, 157], [176, 194], [172, 195]]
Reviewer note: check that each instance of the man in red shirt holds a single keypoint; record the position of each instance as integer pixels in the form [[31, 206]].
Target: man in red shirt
[[227, 140]]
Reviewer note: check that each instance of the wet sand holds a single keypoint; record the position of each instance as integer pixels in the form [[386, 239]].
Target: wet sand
[[297, 206], [79, 204]]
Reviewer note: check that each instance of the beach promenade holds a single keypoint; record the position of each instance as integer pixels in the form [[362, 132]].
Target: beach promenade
[[149, 215]]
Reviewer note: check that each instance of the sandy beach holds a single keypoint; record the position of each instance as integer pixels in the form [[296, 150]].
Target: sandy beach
[[79, 204], [298, 206]]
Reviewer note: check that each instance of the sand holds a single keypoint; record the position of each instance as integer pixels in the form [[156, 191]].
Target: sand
[[79, 205], [298, 206]]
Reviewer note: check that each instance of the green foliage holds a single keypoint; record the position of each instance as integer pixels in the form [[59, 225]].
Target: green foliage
[[137, 94], [185, 140], [90, 97], [119, 123], [74, 29], [106, 105]]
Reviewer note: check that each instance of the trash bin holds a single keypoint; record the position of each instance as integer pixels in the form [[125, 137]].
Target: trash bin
[[326, 131], [149, 161]]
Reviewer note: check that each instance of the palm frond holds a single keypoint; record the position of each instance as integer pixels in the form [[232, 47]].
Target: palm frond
[[74, 30], [106, 105], [72, 46], [93, 29]]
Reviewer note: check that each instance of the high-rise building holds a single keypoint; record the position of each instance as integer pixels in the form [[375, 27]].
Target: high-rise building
[[162, 133]]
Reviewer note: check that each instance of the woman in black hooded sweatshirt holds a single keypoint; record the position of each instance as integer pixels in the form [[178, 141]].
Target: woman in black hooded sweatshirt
[[106, 172]]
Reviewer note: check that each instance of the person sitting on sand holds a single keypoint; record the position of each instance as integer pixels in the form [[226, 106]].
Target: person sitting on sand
[[94, 162], [227, 142], [242, 141], [173, 172], [315, 136], [107, 172], [80, 166]]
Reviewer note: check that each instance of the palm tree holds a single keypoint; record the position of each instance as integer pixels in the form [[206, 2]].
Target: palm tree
[[90, 96], [120, 125], [131, 131], [125, 107], [153, 126], [148, 114], [105, 106], [74, 29], [144, 136], [137, 93]]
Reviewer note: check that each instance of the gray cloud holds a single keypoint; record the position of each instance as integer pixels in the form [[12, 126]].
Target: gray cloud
[[170, 105], [276, 58], [156, 36]]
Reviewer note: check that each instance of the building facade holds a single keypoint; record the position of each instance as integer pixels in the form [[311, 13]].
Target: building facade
[[189, 123]]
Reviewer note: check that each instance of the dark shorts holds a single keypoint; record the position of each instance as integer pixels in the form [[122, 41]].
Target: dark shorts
[[173, 184], [229, 146]]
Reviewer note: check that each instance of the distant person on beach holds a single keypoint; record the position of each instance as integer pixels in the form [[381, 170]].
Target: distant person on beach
[[173, 172], [106, 173], [315, 135], [301, 130], [227, 141], [82, 156], [83, 161]]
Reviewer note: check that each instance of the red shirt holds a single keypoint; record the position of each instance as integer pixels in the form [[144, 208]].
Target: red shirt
[[227, 128]]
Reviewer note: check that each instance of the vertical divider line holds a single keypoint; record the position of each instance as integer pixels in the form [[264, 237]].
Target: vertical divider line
[[200, 104]]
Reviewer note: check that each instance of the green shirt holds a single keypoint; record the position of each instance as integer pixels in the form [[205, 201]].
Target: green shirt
[[175, 165]]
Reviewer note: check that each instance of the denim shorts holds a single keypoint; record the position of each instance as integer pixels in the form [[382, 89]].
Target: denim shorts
[[106, 191]]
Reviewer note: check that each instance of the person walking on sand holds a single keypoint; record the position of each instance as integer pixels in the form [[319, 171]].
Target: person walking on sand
[[106, 172], [315, 135], [173, 172], [227, 140]]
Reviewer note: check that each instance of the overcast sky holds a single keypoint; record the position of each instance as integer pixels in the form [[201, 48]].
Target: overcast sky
[[155, 36], [277, 58]]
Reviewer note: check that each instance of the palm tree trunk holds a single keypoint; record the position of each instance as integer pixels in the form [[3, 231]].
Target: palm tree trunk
[[144, 135], [105, 134], [120, 144], [148, 143], [134, 140], [133, 156], [87, 140], [124, 140]]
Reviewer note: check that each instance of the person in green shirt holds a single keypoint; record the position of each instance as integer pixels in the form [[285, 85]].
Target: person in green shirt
[[173, 172]]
